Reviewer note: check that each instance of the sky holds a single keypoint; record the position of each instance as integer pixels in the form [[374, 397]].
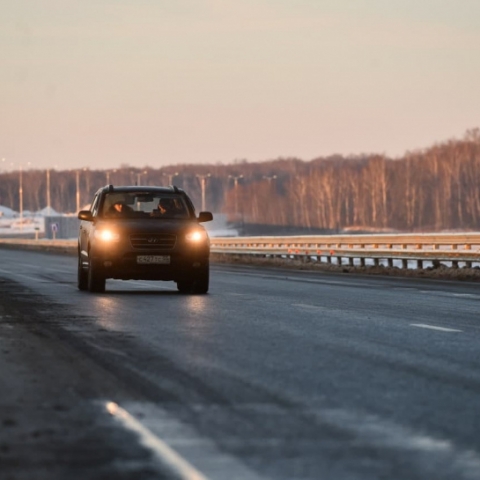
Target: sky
[[101, 83]]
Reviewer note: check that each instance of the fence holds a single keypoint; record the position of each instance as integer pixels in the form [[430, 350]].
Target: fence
[[454, 248]]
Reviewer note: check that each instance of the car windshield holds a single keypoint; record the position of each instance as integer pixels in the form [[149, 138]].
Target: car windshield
[[144, 204]]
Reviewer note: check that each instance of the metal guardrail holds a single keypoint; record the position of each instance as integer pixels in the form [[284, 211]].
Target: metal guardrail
[[454, 248], [45, 245]]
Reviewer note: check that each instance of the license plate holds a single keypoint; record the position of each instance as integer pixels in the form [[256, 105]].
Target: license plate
[[155, 259]]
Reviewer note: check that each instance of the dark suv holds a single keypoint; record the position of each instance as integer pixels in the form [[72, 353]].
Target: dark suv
[[143, 233]]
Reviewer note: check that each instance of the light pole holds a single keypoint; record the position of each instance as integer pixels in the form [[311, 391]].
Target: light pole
[[203, 183], [20, 195], [170, 176], [136, 176], [270, 178], [48, 192], [87, 180], [235, 179], [49, 201], [77, 182], [107, 175]]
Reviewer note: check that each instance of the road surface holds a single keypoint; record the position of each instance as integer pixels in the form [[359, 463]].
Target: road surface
[[272, 375]]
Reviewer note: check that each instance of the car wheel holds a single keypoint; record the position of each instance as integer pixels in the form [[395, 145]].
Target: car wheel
[[82, 275], [96, 280], [198, 284], [202, 279], [184, 286]]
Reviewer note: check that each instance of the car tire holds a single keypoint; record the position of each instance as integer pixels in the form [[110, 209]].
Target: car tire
[[198, 284], [202, 280], [96, 280], [82, 275], [184, 286]]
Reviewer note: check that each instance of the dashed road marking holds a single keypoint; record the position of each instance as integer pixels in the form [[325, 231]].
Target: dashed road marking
[[434, 327], [466, 295], [306, 306]]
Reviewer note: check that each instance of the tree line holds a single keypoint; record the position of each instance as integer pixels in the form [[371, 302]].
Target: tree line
[[426, 190]]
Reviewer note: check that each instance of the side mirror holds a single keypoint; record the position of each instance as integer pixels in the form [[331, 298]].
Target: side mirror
[[85, 215], [205, 217]]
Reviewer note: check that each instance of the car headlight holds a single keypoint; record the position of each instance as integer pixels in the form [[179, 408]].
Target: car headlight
[[196, 236], [107, 236]]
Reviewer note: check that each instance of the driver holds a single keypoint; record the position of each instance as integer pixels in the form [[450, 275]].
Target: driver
[[119, 208], [165, 206]]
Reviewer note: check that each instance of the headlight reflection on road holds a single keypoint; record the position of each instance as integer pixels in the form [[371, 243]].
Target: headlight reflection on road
[[197, 318], [108, 317], [197, 304]]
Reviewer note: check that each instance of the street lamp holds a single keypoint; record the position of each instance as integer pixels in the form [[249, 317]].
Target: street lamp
[[20, 193], [107, 175], [136, 176], [170, 176], [49, 203], [235, 179], [77, 183], [203, 183], [139, 176], [48, 192], [269, 178]]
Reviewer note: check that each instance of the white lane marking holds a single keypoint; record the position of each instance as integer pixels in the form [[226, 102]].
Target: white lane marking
[[173, 461], [307, 306], [441, 293], [434, 327], [465, 295]]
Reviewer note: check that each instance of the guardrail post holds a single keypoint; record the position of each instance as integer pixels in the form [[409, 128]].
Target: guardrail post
[[404, 263], [362, 261], [350, 261], [376, 262], [390, 262]]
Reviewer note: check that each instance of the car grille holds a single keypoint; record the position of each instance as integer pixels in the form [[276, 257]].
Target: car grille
[[153, 241]]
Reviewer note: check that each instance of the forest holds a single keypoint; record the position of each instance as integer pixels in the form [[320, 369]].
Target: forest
[[429, 190]]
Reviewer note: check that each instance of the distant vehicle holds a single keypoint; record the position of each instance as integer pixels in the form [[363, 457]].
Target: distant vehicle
[[143, 233]]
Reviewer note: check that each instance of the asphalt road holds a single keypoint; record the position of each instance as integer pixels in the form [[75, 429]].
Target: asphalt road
[[272, 375]]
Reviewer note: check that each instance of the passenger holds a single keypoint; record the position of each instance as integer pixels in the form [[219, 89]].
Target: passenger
[[167, 207]]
